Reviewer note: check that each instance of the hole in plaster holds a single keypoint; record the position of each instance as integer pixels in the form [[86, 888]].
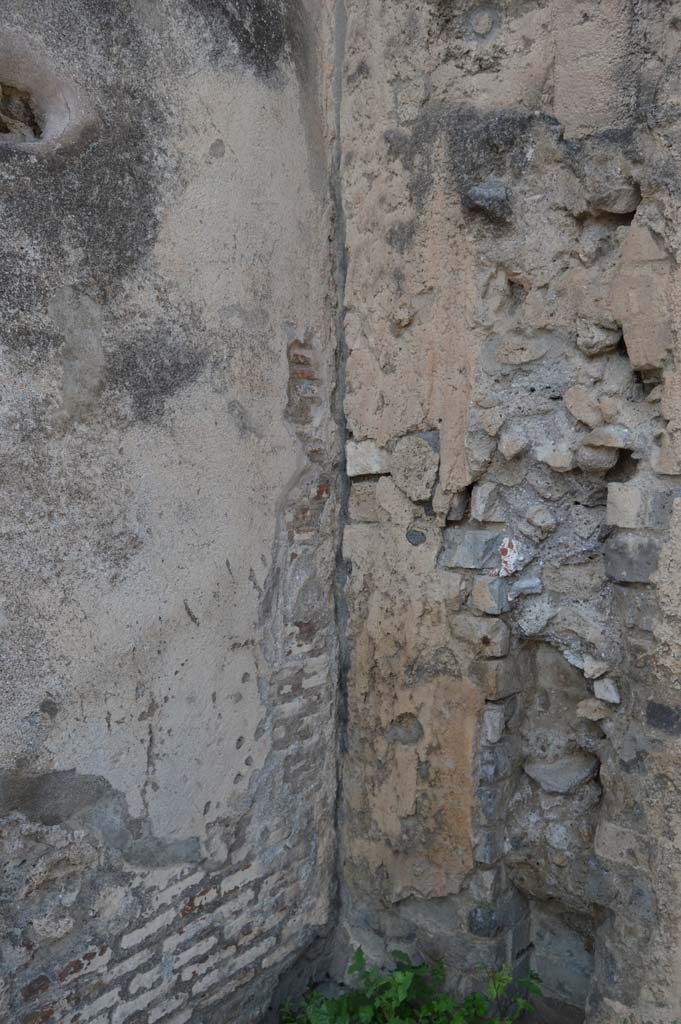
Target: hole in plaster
[[563, 953], [646, 381], [483, 23], [518, 292], [621, 348], [37, 104], [18, 115], [624, 469], [605, 219]]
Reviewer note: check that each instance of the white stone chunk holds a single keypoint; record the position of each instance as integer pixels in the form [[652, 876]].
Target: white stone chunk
[[365, 458], [605, 689]]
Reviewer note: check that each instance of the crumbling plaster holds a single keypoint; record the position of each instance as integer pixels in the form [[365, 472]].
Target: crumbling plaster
[[340, 505], [510, 187]]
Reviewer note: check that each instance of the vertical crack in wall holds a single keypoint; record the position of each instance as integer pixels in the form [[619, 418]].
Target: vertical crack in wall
[[340, 276]]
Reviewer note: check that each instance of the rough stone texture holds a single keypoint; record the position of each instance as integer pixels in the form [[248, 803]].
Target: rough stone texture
[[452, 230], [563, 775], [167, 771], [510, 184]]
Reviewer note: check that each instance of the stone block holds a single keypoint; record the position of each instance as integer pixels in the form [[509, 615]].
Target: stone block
[[593, 668], [596, 460], [500, 760], [503, 678], [493, 723], [594, 340], [563, 775], [640, 298], [365, 458], [485, 505], [491, 198], [416, 537], [363, 506], [622, 845], [457, 508], [489, 637], [616, 197], [512, 443], [479, 448], [490, 847], [491, 801], [469, 548], [639, 505], [592, 710], [394, 502], [414, 467], [610, 436], [557, 455], [561, 954], [666, 458], [513, 908], [490, 595], [526, 585], [631, 557], [639, 609], [592, 90], [542, 519], [492, 420], [519, 941], [583, 404], [535, 613], [606, 690], [486, 885]]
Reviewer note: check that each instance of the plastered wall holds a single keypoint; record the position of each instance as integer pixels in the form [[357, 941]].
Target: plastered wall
[[167, 516], [340, 495]]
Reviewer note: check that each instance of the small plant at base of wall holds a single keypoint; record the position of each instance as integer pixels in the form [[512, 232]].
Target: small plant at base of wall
[[413, 994]]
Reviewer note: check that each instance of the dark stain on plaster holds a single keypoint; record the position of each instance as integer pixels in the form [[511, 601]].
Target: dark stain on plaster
[[49, 707], [90, 802], [479, 147], [487, 153], [457, 17], [406, 729], [400, 236], [266, 33], [84, 210], [98, 198], [191, 614], [362, 71], [154, 366]]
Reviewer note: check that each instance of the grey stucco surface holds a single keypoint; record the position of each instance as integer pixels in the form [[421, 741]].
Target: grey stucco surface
[[166, 512]]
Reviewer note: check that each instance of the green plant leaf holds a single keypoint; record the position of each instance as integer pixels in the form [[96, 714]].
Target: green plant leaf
[[358, 963], [411, 994]]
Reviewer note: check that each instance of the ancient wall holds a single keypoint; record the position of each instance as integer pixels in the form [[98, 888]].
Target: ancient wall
[[510, 181], [233, 230], [167, 513]]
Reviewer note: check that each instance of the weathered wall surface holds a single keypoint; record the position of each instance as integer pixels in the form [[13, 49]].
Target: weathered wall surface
[[510, 179], [166, 511], [507, 184]]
